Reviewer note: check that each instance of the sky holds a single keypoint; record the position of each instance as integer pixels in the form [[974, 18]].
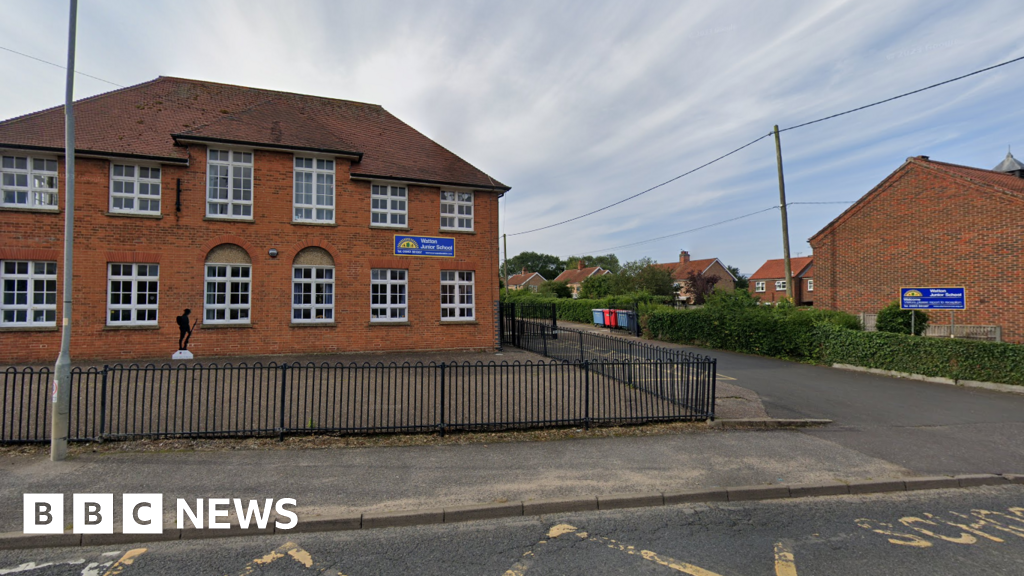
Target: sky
[[577, 105]]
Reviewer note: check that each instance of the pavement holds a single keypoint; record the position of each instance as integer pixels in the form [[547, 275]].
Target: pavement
[[884, 430]]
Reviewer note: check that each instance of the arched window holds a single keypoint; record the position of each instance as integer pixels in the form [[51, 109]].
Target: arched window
[[313, 286], [228, 285]]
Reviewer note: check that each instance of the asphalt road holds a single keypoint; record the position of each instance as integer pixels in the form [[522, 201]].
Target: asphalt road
[[949, 532]]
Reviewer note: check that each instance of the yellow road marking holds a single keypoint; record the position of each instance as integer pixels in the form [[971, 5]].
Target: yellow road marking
[[127, 560], [721, 376], [560, 529], [289, 549], [785, 565]]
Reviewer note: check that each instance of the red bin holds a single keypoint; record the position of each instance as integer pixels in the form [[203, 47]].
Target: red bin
[[610, 319]]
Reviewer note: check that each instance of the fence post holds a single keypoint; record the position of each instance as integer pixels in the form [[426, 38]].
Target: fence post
[[554, 321], [581, 346], [103, 402], [284, 381], [501, 325], [441, 425], [714, 383], [636, 319], [586, 395]]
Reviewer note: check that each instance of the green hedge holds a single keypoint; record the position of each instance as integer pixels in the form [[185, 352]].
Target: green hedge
[[579, 309], [943, 357]]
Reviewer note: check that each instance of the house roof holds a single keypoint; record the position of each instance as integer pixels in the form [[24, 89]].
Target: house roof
[[680, 270], [776, 269], [1009, 164], [520, 279], [576, 275], [154, 119], [977, 178]]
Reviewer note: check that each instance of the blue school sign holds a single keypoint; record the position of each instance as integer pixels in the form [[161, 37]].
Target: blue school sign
[[933, 298], [424, 246]]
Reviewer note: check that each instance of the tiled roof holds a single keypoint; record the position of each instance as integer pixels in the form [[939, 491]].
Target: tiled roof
[[576, 276], [776, 269], [680, 270], [140, 121], [978, 178], [519, 279]]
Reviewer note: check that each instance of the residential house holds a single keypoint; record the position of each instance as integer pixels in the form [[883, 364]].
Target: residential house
[[287, 223], [769, 282], [525, 280], [931, 224], [708, 266], [574, 277]]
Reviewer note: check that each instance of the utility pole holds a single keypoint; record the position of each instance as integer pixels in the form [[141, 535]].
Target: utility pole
[[62, 371], [504, 239], [785, 218]]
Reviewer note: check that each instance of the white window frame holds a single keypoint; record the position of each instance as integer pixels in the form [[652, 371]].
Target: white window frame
[[36, 302], [458, 300], [389, 295], [810, 284], [235, 284], [235, 204], [320, 187], [780, 285], [457, 210], [38, 184], [389, 205], [144, 283], [136, 182], [312, 283], [759, 286]]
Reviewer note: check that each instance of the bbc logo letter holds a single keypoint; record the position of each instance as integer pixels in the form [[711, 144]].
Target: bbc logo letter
[[93, 514], [44, 514]]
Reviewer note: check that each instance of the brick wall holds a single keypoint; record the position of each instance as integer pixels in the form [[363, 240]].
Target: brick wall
[[925, 228], [179, 241]]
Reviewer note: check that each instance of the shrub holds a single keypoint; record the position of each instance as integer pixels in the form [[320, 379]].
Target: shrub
[[556, 289], [897, 321]]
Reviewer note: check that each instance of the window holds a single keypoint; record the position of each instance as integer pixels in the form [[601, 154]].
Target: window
[[132, 294], [810, 285], [227, 293], [229, 184], [28, 182], [457, 295], [387, 205], [29, 293], [314, 190], [780, 285], [312, 294], [134, 189], [457, 210], [387, 295], [759, 286]]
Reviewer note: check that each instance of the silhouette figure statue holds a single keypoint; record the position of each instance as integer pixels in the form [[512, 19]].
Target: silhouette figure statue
[[184, 330]]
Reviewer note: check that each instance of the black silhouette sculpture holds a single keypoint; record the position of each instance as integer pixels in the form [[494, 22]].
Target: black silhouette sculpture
[[184, 330]]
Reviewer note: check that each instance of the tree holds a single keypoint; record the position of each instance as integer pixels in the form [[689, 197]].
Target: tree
[[656, 280], [546, 265], [608, 262], [558, 289], [893, 319], [596, 286], [699, 286], [741, 280]]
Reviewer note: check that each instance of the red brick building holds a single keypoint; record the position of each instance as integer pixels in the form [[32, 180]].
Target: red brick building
[[574, 277], [708, 266], [277, 218], [525, 281], [930, 224], [769, 282]]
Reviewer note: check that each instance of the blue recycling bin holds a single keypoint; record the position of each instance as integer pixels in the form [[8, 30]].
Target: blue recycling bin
[[626, 319], [598, 316]]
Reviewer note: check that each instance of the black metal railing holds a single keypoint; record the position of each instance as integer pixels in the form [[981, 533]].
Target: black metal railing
[[124, 402]]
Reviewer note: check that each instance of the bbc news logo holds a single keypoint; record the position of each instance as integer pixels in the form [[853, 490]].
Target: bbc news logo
[[144, 513]]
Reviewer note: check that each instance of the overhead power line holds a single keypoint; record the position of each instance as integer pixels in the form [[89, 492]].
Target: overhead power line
[[830, 117], [59, 66]]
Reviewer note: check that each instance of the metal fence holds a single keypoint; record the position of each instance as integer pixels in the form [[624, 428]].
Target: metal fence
[[128, 402], [966, 331]]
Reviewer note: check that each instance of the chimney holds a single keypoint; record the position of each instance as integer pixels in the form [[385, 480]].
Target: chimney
[[684, 256], [579, 265], [524, 270]]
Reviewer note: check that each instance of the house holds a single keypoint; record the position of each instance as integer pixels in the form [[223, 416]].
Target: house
[[708, 266], [930, 224], [574, 277], [528, 280], [287, 223], [769, 282]]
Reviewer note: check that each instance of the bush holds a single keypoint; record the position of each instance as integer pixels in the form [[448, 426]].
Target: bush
[[897, 321], [579, 309], [556, 289]]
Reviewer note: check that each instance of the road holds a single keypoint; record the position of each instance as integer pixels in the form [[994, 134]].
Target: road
[[975, 531]]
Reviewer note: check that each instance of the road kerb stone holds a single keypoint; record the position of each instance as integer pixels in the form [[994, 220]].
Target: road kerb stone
[[970, 480], [930, 483], [558, 506], [822, 489], [613, 501], [17, 540], [757, 423], [1014, 478], [757, 493], [692, 496], [875, 486], [403, 518], [482, 512], [121, 538], [326, 524], [234, 530]]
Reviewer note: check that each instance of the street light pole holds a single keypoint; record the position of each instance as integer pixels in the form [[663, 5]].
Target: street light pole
[[62, 371], [785, 218]]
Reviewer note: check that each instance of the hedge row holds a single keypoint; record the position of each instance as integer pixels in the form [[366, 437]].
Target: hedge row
[[943, 357], [577, 309]]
